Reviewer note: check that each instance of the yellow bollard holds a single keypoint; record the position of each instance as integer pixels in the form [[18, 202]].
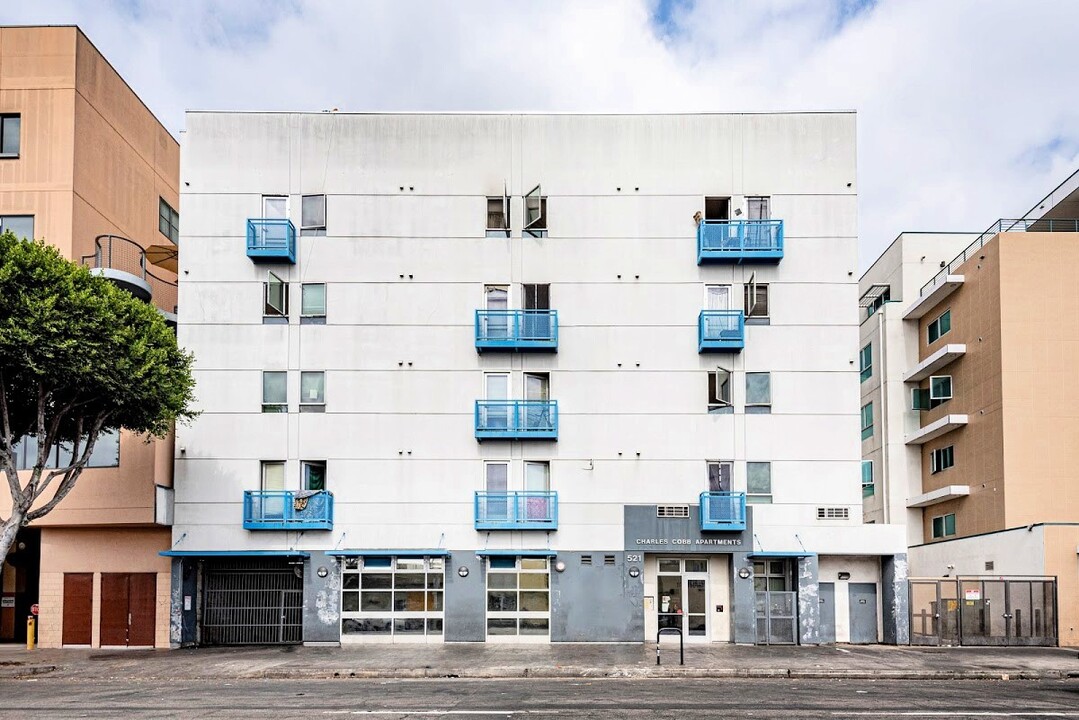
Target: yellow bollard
[[31, 632]]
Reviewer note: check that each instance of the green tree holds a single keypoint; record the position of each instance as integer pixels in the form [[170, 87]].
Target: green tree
[[78, 357]]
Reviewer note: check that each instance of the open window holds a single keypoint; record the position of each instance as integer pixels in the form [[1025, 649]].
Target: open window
[[275, 293], [717, 208], [535, 213], [498, 215], [719, 391], [719, 475], [940, 390], [313, 475], [756, 299]]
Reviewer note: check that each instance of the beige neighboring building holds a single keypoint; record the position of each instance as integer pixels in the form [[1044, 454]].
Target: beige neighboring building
[[87, 167], [975, 437]]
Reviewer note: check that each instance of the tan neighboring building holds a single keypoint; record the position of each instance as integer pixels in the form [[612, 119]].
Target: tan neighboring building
[[87, 167], [990, 432]]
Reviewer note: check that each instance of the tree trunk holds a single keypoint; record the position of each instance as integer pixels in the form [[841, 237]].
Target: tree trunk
[[8, 531]]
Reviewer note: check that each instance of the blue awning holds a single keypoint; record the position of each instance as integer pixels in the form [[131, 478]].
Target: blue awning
[[516, 553], [403, 553], [234, 554]]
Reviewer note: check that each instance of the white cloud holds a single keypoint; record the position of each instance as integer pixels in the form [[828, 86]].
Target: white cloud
[[966, 109]]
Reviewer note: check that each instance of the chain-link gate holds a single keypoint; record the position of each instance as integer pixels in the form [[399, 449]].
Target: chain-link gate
[[983, 611], [777, 617], [252, 602]]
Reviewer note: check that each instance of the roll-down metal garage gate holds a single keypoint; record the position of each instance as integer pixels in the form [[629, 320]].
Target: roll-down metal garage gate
[[252, 601]]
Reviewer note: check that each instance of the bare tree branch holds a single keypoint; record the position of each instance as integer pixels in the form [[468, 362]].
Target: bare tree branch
[[71, 474]]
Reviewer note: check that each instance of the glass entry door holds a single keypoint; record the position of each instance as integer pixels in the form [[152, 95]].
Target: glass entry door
[[682, 602]]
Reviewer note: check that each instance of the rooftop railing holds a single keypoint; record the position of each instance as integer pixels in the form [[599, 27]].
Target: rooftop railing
[[1001, 226]]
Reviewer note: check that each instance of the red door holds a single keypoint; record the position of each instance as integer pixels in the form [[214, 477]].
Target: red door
[[128, 608], [78, 608]]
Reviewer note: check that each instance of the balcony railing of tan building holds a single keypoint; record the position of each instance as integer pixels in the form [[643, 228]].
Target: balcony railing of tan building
[[124, 262]]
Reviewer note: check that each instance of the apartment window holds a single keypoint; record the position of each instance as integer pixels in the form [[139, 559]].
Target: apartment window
[[719, 475], [312, 213], [537, 297], [941, 326], [866, 362], [106, 452], [878, 302], [273, 475], [168, 221], [313, 300], [274, 391], [758, 392], [719, 391], [274, 296], [941, 459], [944, 525], [498, 217], [759, 208], [22, 226], [867, 421], [535, 213], [756, 300], [10, 126], [717, 208], [313, 475], [312, 392], [868, 488], [940, 390], [759, 482]]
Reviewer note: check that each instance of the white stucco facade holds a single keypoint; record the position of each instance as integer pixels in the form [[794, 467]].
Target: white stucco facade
[[405, 260]]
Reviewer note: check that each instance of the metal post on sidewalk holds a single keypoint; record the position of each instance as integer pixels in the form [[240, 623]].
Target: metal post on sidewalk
[[681, 644], [31, 632]]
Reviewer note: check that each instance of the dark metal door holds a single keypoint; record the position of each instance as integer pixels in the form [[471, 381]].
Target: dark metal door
[[827, 612], [863, 613], [252, 602], [78, 608]]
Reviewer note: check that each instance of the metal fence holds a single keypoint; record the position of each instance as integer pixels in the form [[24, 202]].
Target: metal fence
[[252, 602], [983, 611]]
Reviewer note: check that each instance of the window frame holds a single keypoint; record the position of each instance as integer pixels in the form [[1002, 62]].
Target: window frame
[[938, 400], [754, 288], [303, 212], [535, 200], [268, 310], [316, 405], [759, 404], [756, 496], [170, 218], [304, 313], [867, 429], [717, 404], [944, 530], [5, 219], [937, 459], [933, 331], [354, 584], [869, 487], [865, 362], [306, 465], [274, 407], [4, 118], [504, 230], [721, 464]]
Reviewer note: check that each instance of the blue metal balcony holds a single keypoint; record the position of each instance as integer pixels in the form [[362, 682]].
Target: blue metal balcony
[[288, 510], [721, 331], [271, 240], [736, 241], [724, 511], [517, 330], [517, 419], [526, 510]]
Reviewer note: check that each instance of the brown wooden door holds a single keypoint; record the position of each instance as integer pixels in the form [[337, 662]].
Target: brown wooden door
[[128, 608], [142, 609], [78, 608], [114, 608]]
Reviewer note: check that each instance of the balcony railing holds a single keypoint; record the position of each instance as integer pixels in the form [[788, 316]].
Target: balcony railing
[[288, 510], [271, 239], [725, 511], [516, 330], [517, 419], [739, 240], [721, 331], [124, 262], [1001, 226], [526, 510]]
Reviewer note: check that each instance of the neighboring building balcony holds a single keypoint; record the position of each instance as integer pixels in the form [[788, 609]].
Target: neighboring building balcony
[[124, 262], [517, 330], [721, 331], [271, 240], [517, 419], [735, 241], [723, 511], [288, 510], [528, 510]]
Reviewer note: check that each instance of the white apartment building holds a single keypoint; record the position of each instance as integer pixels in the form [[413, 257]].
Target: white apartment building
[[524, 378]]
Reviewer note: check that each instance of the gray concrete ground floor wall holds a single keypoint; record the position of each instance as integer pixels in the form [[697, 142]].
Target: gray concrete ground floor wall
[[596, 602]]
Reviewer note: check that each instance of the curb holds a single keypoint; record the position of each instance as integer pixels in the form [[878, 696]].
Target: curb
[[19, 673]]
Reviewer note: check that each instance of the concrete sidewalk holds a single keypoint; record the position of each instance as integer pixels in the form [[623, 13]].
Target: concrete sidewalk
[[563, 660]]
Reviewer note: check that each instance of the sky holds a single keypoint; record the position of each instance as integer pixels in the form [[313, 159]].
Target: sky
[[967, 110]]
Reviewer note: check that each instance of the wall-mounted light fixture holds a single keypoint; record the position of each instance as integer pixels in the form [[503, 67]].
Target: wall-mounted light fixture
[[745, 573], [462, 571], [560, 566], [844, 576], [634, 572], [322, 571]]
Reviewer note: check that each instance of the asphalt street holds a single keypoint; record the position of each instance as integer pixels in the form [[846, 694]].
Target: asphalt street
[[613, 698]]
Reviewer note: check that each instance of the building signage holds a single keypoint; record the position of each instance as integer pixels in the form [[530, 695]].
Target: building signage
[[7, 602], [680, 542], [647, 532]]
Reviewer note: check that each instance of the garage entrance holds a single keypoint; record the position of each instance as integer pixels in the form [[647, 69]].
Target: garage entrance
[[252, 601]]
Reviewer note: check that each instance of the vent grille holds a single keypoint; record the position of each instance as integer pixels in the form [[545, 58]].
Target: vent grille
[[586, 559], [833, 513], [672, 511], [608, 559]]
